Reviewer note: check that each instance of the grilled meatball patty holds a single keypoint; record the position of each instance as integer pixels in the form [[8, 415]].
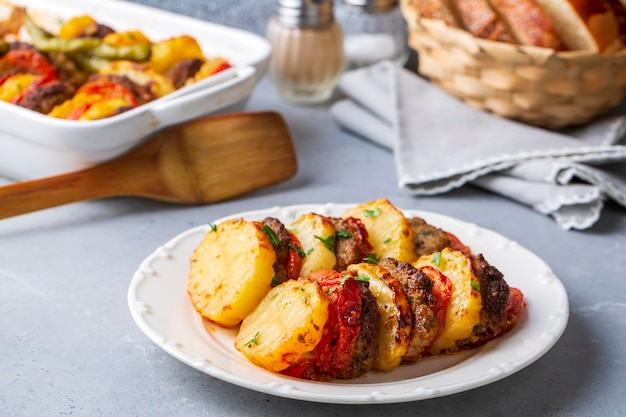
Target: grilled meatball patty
[[418, 288], [351, 243], [281, 247], [365, 347]]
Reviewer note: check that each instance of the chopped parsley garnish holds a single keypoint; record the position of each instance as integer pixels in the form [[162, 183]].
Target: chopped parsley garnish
[[436, 259], [298, 250], [363, 278], [254, 340], [372, 213], [387, 240], [275, 280], [309, 251], [213, 227], [343, 234], [371, 258], [475, 285], [328, 242], [271, 235], [345, 278], [194, 260]]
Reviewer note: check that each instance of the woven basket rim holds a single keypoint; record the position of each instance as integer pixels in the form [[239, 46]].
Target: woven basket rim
[[539, 54]]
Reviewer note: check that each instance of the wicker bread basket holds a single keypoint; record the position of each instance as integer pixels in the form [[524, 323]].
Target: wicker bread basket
[[538, 86]]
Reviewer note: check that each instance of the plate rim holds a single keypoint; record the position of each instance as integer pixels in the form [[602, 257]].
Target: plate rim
[[364, 393]]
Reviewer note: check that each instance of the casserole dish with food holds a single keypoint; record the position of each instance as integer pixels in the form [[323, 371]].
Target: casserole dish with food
[[35, 145]]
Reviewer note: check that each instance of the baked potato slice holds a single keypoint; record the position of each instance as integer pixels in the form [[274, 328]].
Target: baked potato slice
[[464, 309], [394, 312], [231, 271], [285, 326], [390, 232], [317, 239]]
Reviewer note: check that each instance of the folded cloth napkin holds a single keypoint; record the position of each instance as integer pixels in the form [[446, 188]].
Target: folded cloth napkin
[[440, 143]]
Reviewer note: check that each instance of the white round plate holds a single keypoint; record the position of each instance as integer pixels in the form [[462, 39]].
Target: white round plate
[[161, 308]]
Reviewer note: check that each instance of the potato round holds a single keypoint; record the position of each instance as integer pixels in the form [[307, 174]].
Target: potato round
[[286, 325], [231, 271], [465, 306], [390, 233], [317, 236], [394, 312]]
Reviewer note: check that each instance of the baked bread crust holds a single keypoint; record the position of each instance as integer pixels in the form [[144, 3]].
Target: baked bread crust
[[529, 23], [584, 24]]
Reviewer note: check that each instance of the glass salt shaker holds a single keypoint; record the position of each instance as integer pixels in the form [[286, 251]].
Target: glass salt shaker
[[307, 50], [374, 30]]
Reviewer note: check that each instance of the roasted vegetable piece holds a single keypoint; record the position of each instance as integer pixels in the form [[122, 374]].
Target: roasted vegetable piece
[[231, 271], [14, 85], [389, 231], [138, 53], [46, 42], [350, 339], [285, 326], [464, 310], [210, 67], [140, 74], [442, 290], [128, 38], [28, 61], [396, 319], [77, 25], [316, 235], [165, 54], [95, 100], [287, 247]]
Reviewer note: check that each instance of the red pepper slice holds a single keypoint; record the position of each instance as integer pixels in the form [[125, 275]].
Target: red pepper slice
[[333, 352], [27, 61], [109, 89], [442, 290], [294, 259], [456, 244]]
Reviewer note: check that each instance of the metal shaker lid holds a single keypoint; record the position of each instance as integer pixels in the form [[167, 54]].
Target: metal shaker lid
[[371, 6], [305, 13]]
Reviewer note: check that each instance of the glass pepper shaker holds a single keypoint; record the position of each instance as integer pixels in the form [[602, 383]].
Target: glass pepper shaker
[[307, 50], [374, 30]]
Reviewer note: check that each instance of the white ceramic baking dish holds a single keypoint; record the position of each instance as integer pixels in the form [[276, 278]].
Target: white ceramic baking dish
[[34, 145]]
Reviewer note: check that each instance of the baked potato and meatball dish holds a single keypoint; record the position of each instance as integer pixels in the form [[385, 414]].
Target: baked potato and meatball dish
[[324, 298]]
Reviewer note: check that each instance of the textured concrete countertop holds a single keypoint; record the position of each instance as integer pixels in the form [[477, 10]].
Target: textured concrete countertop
[[68, 344]]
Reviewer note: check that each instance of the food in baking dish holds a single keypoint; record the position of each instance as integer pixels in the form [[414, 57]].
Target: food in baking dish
[[325, 297], [87, 70]]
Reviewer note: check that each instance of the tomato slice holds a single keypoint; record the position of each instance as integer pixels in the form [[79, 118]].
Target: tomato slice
[[515, 305], [222, 67], [109, 89], [361, 235], [27, 61], [442, 290], [333, 352], [456, 244], [294, 257]]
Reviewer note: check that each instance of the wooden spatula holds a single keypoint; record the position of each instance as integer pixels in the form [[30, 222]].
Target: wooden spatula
[[198, 162]]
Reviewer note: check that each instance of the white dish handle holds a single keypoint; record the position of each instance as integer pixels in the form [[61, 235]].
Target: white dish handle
[[208, 100]]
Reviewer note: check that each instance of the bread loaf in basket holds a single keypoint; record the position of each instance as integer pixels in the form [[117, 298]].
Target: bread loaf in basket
[[542, 62]]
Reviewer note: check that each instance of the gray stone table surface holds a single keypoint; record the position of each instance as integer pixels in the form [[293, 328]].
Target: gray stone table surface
[[68, 344]]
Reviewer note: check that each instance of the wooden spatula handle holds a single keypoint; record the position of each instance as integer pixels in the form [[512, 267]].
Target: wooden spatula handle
[[28, 196]]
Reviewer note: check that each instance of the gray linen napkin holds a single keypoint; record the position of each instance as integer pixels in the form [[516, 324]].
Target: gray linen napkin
[[440, 143]]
